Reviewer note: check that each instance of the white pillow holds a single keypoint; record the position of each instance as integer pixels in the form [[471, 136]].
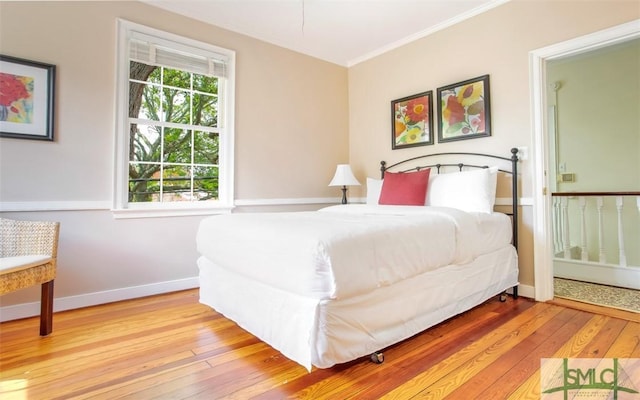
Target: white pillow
[[471, 191], [374, 187]]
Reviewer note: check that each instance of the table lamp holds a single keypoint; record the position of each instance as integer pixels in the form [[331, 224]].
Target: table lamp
[[344, 177]]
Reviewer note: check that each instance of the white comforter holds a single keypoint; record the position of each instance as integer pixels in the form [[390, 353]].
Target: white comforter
[[342, 251]]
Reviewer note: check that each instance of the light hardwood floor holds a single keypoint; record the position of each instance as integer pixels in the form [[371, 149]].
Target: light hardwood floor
[[171, 347]]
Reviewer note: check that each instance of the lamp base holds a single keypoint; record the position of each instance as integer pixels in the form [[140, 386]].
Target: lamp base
[[344, 195]]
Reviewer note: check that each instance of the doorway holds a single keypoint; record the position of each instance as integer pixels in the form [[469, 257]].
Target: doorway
[[542, 148]]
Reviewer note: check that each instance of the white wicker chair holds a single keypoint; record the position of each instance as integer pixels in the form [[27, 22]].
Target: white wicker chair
[[28, 254]]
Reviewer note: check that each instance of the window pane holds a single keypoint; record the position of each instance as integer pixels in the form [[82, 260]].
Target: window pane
[[177, 145], [144, 143], [205, 182], [177, 183], [135, 94], [155, 76], [205, 147], [144, 182], [205, 110], [176, 78], [144, 101], [176, 106], [207, 84]]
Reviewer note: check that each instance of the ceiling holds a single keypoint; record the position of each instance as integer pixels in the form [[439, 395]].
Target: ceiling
[[343, 32]]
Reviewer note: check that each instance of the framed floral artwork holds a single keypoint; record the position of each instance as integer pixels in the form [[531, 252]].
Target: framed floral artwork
[[26, 98], [464, 110], [412, 122]]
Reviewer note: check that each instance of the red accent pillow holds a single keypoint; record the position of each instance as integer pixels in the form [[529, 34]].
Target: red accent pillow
[[405, 188]]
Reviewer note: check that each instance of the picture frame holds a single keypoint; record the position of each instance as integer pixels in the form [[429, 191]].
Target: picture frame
[[412, 121], [26, 98], [464, 110]]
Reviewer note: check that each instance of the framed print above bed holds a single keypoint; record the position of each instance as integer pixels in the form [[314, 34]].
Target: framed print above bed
[[26, 98], [464, 110], [411, 121]]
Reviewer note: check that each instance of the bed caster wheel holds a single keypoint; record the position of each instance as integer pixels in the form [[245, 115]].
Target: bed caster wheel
[[377, 357], [503, 297]]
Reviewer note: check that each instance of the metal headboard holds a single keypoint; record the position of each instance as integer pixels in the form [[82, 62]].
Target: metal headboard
[[513, 172]]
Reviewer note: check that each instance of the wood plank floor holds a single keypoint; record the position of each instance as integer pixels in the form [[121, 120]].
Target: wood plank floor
[[171, 347]]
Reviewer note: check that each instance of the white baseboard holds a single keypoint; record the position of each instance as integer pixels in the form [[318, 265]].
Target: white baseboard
[[26, 310], [606, 274], [527, 291]]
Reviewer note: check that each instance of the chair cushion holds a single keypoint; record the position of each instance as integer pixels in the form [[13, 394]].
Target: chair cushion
[[13, 264]]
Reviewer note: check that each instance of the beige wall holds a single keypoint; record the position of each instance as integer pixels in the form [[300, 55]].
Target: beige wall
[[296, 118], [291, 131], [497, 43], [283, 103]]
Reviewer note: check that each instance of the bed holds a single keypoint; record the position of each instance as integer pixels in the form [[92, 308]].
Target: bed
[[330, 286]]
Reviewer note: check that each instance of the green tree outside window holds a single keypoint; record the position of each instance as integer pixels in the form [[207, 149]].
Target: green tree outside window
[[173, 139]]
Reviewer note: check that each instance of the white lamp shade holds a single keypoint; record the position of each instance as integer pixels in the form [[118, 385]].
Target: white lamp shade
[[344, 177]]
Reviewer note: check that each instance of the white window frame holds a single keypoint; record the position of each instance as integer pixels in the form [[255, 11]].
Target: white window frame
[[226, 89]]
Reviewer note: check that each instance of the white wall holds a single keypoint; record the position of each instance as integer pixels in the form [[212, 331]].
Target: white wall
[[598, 124], [598, 128]]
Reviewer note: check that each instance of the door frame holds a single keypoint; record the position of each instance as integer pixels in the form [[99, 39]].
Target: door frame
[[542, 217]]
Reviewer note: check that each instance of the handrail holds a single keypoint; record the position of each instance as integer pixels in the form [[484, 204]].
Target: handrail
[[585, 194]]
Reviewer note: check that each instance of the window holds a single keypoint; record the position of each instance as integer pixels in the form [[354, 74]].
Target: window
[[174, 152]]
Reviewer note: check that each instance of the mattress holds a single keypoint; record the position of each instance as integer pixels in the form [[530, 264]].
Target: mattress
[[325, 332], [345, 251]]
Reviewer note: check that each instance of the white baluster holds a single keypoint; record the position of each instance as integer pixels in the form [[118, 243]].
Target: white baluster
[[623, 257], [565, 228], [560, 226], [603, 255], [557, 238], [584, 253]]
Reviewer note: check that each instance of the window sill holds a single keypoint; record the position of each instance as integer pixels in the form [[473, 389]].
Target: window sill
[[169, 211]]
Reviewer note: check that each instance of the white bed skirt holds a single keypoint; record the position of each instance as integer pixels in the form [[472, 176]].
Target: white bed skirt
[[328, 332]]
